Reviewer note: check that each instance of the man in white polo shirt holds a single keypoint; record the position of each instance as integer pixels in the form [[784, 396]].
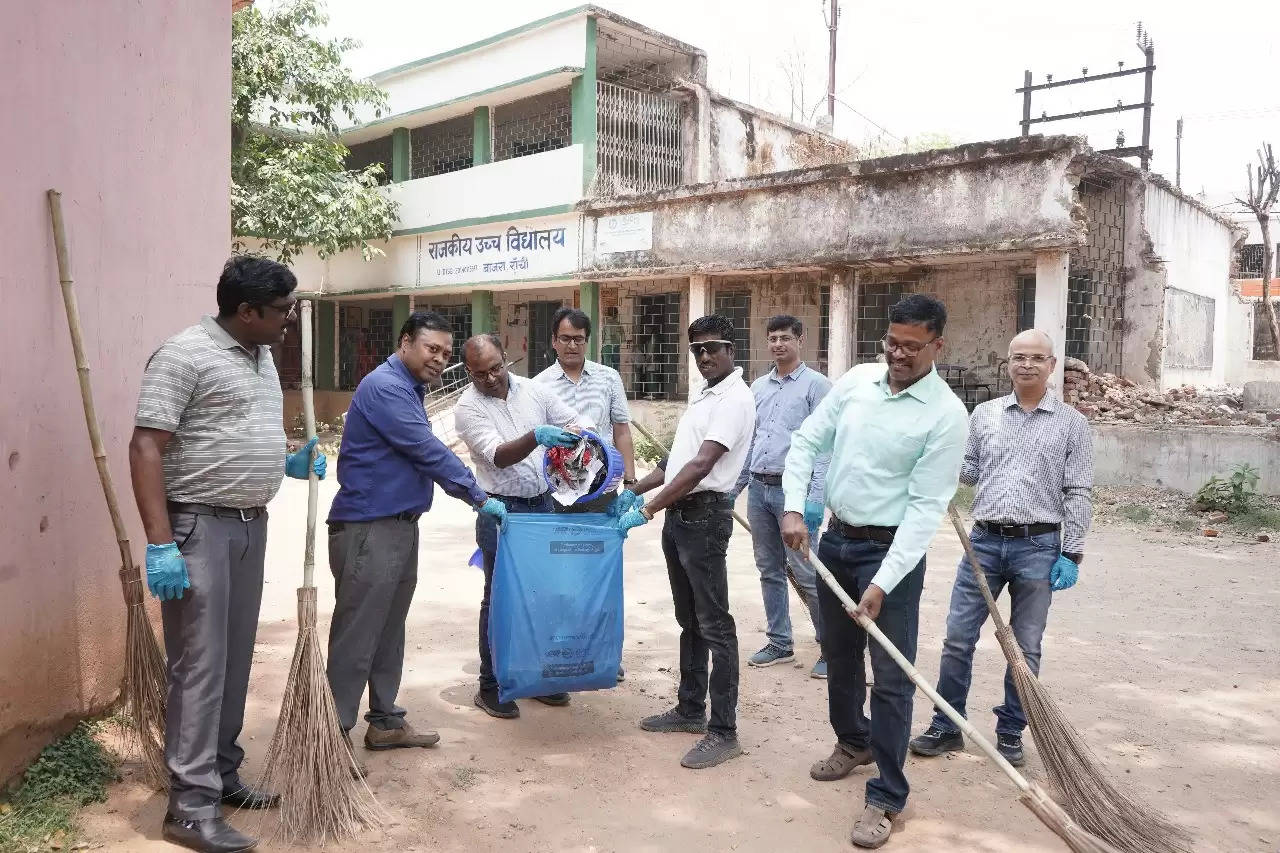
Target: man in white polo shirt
[[710, 447]]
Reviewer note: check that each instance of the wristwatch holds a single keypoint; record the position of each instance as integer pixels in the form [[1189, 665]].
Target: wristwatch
[[646, 512], [629, 483]]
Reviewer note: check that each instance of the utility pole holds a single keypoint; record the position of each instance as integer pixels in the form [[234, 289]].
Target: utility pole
[[1177, 180], [833, 22]]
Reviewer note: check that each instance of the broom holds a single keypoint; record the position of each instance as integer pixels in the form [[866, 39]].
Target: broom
[[308, 762], [1088, 793], [143, 691], [1032, 795]]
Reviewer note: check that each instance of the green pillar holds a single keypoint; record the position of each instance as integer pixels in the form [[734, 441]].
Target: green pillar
[[400, 167], [589, 300], [399, 313], [326, 345], [482, 316], [481, 137], [583, 92]]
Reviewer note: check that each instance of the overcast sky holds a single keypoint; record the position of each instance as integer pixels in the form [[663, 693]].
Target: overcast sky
[[936, 66]]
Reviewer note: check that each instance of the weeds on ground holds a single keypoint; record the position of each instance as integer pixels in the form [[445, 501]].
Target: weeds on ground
[[69, 774], [650, 452], [1234, 495], [1258, 518], [1136, 513]]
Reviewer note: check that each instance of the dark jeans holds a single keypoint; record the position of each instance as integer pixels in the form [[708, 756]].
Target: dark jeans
[[487, 542], [1024, 564], [694, 542], [854, 563]]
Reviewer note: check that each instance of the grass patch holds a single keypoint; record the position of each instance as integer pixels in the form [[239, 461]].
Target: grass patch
[[69, 774], [964, 497], [1136, 513], [1259, 518]]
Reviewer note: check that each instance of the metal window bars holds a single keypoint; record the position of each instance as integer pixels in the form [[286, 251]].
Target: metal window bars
[[638, 142], [532, 125], [443, 147]]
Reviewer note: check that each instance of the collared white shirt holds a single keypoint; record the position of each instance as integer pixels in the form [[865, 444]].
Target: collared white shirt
[[483, 423], [598, 395], [726, 414]]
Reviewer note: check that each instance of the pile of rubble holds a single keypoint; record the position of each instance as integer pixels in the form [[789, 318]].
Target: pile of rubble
[[1106, 397]]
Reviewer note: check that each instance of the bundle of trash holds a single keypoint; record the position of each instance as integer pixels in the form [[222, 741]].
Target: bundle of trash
[[584, 472]]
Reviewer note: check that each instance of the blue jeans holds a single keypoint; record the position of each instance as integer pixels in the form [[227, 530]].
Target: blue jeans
[[854, 563], [487, 542], [1023, 564], [764, 514]]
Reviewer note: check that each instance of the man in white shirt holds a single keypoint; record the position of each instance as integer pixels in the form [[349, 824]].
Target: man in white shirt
[[506, 421], [710, 447]]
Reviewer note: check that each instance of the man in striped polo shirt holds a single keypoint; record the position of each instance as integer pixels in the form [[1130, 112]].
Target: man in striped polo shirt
[[207, 454]]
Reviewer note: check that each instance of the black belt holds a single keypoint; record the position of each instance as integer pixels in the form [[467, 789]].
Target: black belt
[[412, 517], [868, 532], [767, 479], [537, 500], [245, 515], [1017, 531], [702, 499]]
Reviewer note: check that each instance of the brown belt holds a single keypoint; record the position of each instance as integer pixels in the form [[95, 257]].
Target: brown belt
[[865, 532]]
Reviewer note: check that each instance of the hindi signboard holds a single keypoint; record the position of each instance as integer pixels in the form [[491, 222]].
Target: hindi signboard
[[627, 232], [502, 251]]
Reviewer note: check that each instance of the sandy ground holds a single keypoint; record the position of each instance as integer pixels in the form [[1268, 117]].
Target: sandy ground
[[1165, 656]]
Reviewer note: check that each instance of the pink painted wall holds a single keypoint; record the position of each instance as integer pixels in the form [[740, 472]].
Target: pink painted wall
[[124, 107]]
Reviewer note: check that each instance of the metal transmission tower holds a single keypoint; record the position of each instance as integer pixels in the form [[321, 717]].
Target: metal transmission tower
[[1143, 151]]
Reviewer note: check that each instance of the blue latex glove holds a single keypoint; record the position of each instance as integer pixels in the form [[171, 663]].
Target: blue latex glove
[[554, 436], [295, 464], [166, 571], [1064, 573], [813, 514], [629, 519], [494, 507], [625, 500]]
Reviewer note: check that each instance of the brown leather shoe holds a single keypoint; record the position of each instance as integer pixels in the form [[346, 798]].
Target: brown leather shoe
[[401, 738], [358, 768], [839, 764]]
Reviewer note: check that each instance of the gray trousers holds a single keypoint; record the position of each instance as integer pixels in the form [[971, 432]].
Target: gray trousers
[[375, 571], [208, 638]]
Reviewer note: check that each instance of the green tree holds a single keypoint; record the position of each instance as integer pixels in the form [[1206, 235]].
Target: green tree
[[290, 188]]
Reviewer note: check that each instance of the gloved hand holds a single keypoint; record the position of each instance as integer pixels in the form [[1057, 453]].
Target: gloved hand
[[625, 500], [166, 571], [1064, 573], [629, 519], [495, 508], [295, 464], [553, 436], [813, 514]]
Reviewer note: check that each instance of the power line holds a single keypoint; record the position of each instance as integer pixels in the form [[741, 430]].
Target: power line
[[869, 120]]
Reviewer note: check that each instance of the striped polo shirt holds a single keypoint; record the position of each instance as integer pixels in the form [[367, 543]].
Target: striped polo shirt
[[224, 407], [598, 395]]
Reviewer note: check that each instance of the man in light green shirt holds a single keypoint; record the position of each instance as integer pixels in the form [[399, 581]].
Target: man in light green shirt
[[896, 434]]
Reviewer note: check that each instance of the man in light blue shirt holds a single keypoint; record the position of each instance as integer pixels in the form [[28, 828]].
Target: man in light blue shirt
[[896, 434], [784, 396]]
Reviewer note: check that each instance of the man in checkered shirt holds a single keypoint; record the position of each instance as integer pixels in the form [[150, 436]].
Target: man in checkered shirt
[[1031, 457]]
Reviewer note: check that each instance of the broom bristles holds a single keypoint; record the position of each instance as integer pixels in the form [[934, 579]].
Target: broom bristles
[[308, 763], [144, 690], [1088, 794]]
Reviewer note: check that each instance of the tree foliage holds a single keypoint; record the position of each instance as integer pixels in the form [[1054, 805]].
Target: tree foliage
[[290, 188]]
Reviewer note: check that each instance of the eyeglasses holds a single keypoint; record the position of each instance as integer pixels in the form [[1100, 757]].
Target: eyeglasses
[[572, 340], [491, 374], [1023, 358], [912, 350], [709, 347], [289, 309], [781, 339]]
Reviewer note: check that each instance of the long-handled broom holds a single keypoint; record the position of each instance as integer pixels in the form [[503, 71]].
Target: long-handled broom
[[1088, 793], [1032, 795], [143, 691], [308, 762]]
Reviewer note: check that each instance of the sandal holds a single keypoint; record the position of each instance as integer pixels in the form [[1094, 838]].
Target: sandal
[[873, 828], [839, 764]]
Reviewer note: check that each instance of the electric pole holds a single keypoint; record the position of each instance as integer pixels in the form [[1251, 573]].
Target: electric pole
[[833, 22], [1177, 181]]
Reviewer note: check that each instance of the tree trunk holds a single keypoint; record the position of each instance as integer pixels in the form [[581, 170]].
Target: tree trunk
[[1268, 251]]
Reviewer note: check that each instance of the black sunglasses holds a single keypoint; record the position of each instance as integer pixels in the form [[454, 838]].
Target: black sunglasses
[[709, 347]]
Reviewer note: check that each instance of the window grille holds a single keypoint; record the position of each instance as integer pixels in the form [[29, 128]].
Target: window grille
[[1251, 261], [657, 347], [1026, 302], [363, 154], [1095, 283], [442, 147], [736, 306], [874, 302], [638, 141], [532, 125]]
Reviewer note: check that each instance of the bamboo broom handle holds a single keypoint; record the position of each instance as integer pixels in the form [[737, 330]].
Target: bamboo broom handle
[[309, 418], [82, 371], [906, 666], [978, 573]]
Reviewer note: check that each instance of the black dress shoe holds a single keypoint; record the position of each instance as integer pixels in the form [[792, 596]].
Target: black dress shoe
[[247, 798], [211, 835]]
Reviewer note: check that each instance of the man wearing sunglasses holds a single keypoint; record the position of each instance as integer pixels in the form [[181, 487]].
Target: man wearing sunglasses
[[206, 456], [896, 434], [507, 422], [1031, 457], [698, 478]]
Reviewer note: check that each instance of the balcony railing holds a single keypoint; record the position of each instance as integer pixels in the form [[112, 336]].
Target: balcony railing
[[638, 140]]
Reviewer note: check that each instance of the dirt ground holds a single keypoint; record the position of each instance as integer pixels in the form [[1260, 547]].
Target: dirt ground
[[1164, 656]]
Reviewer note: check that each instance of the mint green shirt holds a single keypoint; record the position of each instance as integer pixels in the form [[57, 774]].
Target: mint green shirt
[[895, 459]]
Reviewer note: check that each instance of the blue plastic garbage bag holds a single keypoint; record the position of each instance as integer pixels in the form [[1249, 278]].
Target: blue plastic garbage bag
[[555, 609]]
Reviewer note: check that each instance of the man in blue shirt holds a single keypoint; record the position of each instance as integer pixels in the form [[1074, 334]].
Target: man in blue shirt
[[390, 460], [785, 396]]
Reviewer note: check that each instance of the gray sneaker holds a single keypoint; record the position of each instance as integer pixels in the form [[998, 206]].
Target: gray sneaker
[[713, 749], [674, 721], [770, 655]]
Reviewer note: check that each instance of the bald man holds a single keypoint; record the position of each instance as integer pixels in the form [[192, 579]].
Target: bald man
[[1031, 457]]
